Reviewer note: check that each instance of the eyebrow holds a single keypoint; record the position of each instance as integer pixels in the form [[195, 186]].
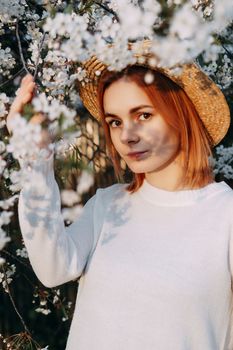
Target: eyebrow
[[131, 111]]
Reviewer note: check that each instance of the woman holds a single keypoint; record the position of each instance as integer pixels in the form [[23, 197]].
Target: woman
[[155, 256]]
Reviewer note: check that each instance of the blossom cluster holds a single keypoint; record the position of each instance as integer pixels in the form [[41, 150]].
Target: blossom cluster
[[52, 298], [4, 100], [7, 61], [183, 42], [223, 162], [5, 277], [25, 138], [73, 199], [10, 9], [3, 240], [53, 109]]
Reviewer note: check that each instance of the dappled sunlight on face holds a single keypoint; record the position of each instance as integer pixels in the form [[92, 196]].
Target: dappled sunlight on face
[[141, 130]]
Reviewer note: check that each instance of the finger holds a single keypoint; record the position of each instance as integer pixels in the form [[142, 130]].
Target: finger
[[27, 78], [28, 87], [37, 118], [19, 102], [26, 98]]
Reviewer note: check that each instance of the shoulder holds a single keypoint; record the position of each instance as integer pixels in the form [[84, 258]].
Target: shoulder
[[108, 198], [224, 190], [111, 191], [107, 195], [224, 198]]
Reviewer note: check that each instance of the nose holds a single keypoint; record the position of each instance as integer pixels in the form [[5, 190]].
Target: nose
[[129, 135]]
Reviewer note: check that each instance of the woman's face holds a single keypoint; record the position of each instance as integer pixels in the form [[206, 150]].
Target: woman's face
[[135, 126]]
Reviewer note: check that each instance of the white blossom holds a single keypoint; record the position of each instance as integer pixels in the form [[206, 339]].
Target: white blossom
[[223, 162], [71, 214], [22, 252], [7, 62], [74, 28], [2, 164], [69, 197], [55, 299], [18, 179], [4, 100], [79, 75], [135, 22], [11, 8], [86, 180], [33, 31], [185, 23], [116, 57], [34, 49], [107, 27], [9, 202], [43, 311], [2, 147], [62, 147], [48, 73], [54, 110], [3, 238], [5, 217], [149, 78], [6, 279], [25, 139]]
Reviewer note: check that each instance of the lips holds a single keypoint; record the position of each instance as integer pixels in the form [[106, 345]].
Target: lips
[[134, 154]]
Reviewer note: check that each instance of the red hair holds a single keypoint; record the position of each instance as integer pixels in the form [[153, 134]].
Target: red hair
[[179, 113]]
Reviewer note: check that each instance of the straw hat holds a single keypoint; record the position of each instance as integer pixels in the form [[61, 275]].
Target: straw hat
[[207, 98]]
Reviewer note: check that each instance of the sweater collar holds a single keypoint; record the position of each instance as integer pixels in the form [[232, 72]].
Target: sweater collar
[[163, 197]]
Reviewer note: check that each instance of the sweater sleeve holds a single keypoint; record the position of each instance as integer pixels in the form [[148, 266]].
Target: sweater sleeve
[[57, 253]]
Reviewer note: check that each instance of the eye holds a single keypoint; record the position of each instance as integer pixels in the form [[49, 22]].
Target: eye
[[146, 115], [114, 121]]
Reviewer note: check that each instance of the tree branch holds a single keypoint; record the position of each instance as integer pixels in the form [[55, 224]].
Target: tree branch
[[20, 48], [15, 258], [107, 9], [38, 57], [230, 54], [12, 78], [13, 303]]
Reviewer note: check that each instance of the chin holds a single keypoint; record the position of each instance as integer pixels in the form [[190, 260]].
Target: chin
[[139, 168]]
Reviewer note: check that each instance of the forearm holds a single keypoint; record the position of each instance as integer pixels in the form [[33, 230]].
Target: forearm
[[52, 252]]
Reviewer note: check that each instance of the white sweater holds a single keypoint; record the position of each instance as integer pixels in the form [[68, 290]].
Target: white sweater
[[156, 266]]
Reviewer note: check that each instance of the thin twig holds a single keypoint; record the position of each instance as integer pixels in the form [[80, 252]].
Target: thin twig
[[20, 48], [230, 54], [107, 9], [38, 57], [13, 303], [13, 77], [15, 258]]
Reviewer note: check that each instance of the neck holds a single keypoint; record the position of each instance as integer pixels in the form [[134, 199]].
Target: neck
[[168, 177]]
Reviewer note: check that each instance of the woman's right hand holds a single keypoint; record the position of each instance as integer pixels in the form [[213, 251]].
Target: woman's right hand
[[24, 96]]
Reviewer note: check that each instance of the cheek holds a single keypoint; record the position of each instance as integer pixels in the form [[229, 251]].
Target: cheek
[[168, 135], [157, 135]]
